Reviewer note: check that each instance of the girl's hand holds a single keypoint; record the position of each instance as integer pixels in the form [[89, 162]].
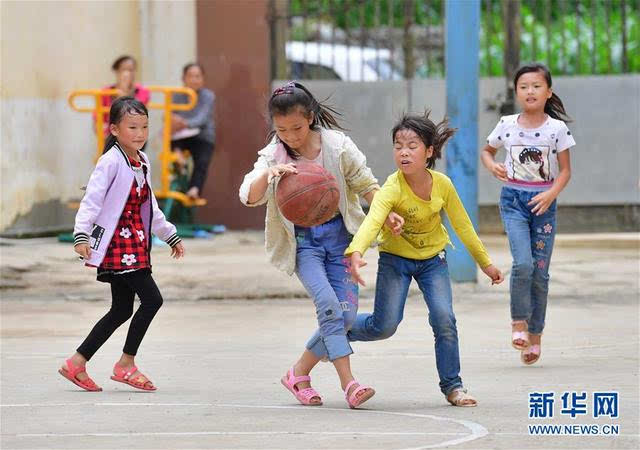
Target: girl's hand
[[83, 250], [279, 170], [494, 273], [395, 222], [542, 201], [354, 267], [499, 171], [177, 251]]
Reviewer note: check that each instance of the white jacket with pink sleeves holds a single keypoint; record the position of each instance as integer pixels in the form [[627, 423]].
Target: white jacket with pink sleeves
[[104, 201]]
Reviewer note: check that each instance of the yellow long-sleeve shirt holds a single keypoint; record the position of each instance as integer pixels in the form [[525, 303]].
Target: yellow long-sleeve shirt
[[424, 235]]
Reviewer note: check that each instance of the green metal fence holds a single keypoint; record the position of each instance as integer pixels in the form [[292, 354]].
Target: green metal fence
[[397, 39]]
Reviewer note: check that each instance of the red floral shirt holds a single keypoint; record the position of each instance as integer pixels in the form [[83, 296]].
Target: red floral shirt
[[128, 249]]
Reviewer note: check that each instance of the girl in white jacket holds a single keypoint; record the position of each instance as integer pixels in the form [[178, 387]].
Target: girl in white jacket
[[112, 232], [303, 132]]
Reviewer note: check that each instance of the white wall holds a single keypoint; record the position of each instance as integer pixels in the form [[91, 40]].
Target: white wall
[[606, 127]]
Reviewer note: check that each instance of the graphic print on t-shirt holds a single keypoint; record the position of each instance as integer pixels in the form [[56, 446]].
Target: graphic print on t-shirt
[[416, 219], [530, 163]]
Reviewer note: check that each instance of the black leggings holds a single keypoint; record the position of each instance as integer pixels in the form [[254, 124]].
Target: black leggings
[[124, 287], [201, 152]]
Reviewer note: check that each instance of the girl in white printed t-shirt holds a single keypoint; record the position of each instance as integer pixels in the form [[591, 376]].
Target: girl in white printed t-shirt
[[536, 169]]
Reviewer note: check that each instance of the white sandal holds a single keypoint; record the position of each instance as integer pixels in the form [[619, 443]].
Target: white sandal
[[519, 336], [460, 397], [533, 350]]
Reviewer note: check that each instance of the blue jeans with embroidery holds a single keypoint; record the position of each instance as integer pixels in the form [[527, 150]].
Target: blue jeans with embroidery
[[531, 242], [322, 269], [392, 285]]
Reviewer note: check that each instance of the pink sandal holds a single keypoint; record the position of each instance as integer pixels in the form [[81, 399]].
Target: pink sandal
[[122, 375], [534, 350], [519, 336], [353, 400], [305, 395], [71, 374]]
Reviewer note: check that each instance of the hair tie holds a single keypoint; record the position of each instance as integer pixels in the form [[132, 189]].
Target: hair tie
[[286, 89]]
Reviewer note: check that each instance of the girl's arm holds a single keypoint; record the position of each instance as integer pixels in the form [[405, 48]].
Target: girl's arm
[[369, 196], [543, 200], [463, 227], [161, 227], [255, 184], [92, 201], [394, 221], [381, 206], [487, 156], [358, 176]]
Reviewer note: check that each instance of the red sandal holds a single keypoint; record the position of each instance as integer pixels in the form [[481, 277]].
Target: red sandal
[[71, 374], [123, 375]]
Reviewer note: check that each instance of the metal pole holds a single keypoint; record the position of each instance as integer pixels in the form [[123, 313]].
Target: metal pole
[[279, 37], [511, 19], [408, 47], [462, 66]]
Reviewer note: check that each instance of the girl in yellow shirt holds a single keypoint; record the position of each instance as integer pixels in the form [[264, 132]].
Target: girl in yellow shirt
[[418, 193]]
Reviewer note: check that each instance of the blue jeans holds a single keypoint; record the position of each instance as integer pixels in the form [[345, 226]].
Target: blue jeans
[[531, 242], [392, 285], [321, 267]]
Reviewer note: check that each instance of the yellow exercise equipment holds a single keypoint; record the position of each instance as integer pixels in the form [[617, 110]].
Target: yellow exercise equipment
[[166, 156]]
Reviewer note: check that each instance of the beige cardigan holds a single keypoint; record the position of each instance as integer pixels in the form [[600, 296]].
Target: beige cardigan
[[343, 160]]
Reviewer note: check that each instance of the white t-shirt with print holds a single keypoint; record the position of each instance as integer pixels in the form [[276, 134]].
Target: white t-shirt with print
[[531, 153]]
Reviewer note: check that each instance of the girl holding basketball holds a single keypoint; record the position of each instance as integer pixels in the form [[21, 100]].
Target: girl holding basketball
[[418, 193], [305, 130], [536, 169]]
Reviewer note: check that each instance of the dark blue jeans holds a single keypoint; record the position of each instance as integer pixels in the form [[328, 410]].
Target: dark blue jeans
[[392, 285], [531, 241]]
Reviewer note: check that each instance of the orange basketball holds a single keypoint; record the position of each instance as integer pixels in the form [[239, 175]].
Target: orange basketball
[[309, 197]]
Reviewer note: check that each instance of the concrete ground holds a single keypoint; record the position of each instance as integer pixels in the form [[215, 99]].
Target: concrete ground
[[231, 326]]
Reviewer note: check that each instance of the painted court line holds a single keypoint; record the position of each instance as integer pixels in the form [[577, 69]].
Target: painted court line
[[476, 430], [237, 433]]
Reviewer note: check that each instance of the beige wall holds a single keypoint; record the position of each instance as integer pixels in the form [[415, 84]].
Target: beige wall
[[169, 30], [49, 48], [52, 47]]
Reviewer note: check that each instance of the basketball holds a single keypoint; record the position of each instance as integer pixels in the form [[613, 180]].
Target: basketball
[[309, 197]]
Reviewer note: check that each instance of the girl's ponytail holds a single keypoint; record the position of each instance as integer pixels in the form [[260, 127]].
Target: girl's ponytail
[[554, 108], [442, 134], [108, 143], [324, 115]]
